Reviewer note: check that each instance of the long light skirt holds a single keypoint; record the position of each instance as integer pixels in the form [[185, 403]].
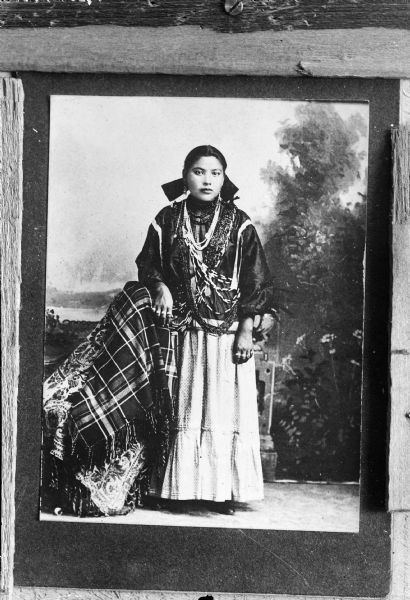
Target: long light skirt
[[215, 454]]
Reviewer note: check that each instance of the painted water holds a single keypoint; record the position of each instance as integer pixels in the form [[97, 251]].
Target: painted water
[[79, 314]]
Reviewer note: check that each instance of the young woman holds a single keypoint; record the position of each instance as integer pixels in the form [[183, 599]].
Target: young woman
[[205, 268]]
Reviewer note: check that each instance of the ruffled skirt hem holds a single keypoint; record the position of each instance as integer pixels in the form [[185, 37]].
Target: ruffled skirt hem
[[216, 466]]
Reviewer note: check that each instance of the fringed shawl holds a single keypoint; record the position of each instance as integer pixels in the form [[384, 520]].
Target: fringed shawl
[[113, 392]]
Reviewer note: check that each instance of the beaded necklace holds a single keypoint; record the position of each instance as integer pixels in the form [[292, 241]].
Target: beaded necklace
[[189, 235], [193, 306], [190, 248]]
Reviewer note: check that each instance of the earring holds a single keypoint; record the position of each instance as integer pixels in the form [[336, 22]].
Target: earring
[[183, 196]]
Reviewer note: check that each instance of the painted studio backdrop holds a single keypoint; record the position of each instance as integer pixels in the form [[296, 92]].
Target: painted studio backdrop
[[301, 169]]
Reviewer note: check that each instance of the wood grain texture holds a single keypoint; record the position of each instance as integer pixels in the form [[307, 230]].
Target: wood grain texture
[[72, 594], [258, 15], [369, 52], [11, 142], [400, 578], [399, 486], [401, 173], [399, 465], [405, 101]]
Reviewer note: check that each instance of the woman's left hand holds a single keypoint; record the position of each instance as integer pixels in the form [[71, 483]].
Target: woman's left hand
[[243, 344]]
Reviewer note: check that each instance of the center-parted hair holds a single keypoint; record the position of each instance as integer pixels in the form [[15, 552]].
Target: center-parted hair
[[199, 152], [175, 189]]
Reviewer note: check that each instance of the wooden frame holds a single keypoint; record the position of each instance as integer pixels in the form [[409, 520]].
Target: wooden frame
[[372, 53], [191, 50]]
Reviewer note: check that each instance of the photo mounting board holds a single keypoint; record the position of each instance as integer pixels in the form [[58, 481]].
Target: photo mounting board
[[384, 113]]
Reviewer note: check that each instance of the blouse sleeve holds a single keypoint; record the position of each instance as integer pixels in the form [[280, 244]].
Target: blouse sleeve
[[255, 281], [149, 261]]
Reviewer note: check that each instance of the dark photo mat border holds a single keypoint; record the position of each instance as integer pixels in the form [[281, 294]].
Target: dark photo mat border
[[167, 558]]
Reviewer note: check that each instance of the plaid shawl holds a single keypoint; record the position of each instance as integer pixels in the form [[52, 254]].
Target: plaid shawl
[[129, 376], [108, 409]]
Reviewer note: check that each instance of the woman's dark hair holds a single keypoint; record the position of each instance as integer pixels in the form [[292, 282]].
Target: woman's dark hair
[[199, 152]]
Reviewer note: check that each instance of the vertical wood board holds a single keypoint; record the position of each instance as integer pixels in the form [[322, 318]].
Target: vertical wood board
[[399, 496], [400, 561], [399, 488], [399, 465], [11, 142]]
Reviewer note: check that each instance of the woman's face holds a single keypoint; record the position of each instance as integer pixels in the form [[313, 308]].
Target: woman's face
[[205, 178]]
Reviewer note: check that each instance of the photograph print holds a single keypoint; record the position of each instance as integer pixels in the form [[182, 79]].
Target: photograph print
[[204, 312]]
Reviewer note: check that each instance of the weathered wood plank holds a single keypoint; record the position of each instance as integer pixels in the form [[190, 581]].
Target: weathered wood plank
[[399, 465], [192, 50], [400, 567], [11, 177], [80, 594], [399, 487], [405, 102], [256, 16]]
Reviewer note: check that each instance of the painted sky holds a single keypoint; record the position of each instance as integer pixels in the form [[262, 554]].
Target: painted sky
[[110, 155]]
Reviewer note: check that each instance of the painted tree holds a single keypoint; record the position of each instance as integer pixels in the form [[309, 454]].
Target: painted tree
[[315, 247]]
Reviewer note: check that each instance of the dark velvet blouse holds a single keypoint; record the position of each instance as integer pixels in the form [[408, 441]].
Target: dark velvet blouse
[[228, 280]]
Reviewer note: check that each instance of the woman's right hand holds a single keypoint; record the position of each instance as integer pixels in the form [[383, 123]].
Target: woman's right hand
[[162, 303]]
